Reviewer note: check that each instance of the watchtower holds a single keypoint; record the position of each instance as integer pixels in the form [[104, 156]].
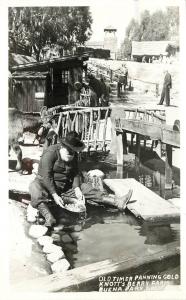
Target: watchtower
[[110, 41]]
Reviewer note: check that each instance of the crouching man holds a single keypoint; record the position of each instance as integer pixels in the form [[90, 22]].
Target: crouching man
[[58, 179]]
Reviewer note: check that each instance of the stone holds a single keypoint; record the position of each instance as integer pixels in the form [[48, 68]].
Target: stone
[[66, 238], [75, 236], [49, 248], [60, 266], [55, 256], [71, 247], [56, 237], [58, 228], [31, 214], [77, 228], [45, 240], [37, 231]]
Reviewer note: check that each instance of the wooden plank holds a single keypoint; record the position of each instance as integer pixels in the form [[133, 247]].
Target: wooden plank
[[168, 167], [105, 128], [59, 122], [153, 130], [76, 279], [147, 204]]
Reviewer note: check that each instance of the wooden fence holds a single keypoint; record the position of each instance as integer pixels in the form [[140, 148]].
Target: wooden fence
[[112, 75], [89, 123]]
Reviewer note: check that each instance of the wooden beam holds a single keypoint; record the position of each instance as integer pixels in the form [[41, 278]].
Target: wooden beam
[[153, 130], [119, 141], [82, 277], [168, 167]]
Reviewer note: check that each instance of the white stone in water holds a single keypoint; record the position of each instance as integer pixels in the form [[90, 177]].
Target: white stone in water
[[58, 228], [60, 266], [31, 214], [55, 256], [37, 231], [45, 240], [96, 172], [49, 248]]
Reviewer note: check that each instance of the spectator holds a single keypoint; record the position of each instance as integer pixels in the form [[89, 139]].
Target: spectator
[[167, 85]]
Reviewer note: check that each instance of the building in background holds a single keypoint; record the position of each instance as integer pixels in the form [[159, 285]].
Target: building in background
[[110, 41], [152, 51]]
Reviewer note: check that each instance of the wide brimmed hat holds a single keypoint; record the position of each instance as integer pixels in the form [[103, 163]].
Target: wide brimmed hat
[[78, 85], [73, 142]]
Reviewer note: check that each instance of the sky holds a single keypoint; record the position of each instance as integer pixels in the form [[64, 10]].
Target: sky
[[118, 13]]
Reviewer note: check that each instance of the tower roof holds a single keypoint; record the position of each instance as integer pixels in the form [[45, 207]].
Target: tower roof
[[110, 28]]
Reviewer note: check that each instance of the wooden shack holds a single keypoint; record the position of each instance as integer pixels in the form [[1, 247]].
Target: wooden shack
[[152, 49], [47, 83]]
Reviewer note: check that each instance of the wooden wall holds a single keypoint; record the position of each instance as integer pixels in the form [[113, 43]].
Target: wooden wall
[[24, 94]]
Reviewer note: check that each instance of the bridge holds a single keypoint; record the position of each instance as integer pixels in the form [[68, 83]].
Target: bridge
[[110, 129]]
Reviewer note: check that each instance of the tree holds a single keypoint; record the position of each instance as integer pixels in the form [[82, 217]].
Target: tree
[[126, 48], [133, 32], [172, 16], [144, 24], [36, 27], [159, 26], [157, 29]]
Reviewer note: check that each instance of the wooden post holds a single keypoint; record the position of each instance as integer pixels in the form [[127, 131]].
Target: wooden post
[[157, 89], [168, 167], [158, 149], [138, 146], [119, 143], [111, 75], [119, 172], [144, 144], [124, 142], [132, 141]]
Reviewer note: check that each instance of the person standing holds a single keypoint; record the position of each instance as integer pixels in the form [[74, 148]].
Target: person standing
[[167, 85]]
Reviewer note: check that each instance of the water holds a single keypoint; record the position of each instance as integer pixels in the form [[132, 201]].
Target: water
[[106, 233]]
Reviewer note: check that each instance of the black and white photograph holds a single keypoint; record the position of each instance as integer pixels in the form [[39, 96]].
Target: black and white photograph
[[94, 160]]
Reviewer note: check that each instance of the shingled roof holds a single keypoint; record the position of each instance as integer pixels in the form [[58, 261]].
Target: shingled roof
[[18, 59], [149, 48]]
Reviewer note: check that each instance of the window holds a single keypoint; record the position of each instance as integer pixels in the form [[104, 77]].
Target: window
[[65, 76]]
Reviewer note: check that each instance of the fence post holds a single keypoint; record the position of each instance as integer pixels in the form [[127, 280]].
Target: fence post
[[157, 89], [168, 168], [111, 75], [119, 143]]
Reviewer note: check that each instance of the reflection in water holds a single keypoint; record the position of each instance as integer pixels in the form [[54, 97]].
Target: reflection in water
[[106, 232], [158, 234]]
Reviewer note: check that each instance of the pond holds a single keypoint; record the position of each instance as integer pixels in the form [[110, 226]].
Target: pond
[[107, 233]]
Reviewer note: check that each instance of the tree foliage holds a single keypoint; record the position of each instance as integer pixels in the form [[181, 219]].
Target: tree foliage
[[36, 27], [158, 26]]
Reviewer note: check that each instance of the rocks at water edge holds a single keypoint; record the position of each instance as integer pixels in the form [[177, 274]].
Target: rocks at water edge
[[58, 228], [66, 238], [56, 237], [55, 256], [51, 248], [45, 240], [60, 266], [37, 231]]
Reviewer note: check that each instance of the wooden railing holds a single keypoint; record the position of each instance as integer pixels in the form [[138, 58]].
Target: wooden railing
[[112, 75], [89, 123]]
